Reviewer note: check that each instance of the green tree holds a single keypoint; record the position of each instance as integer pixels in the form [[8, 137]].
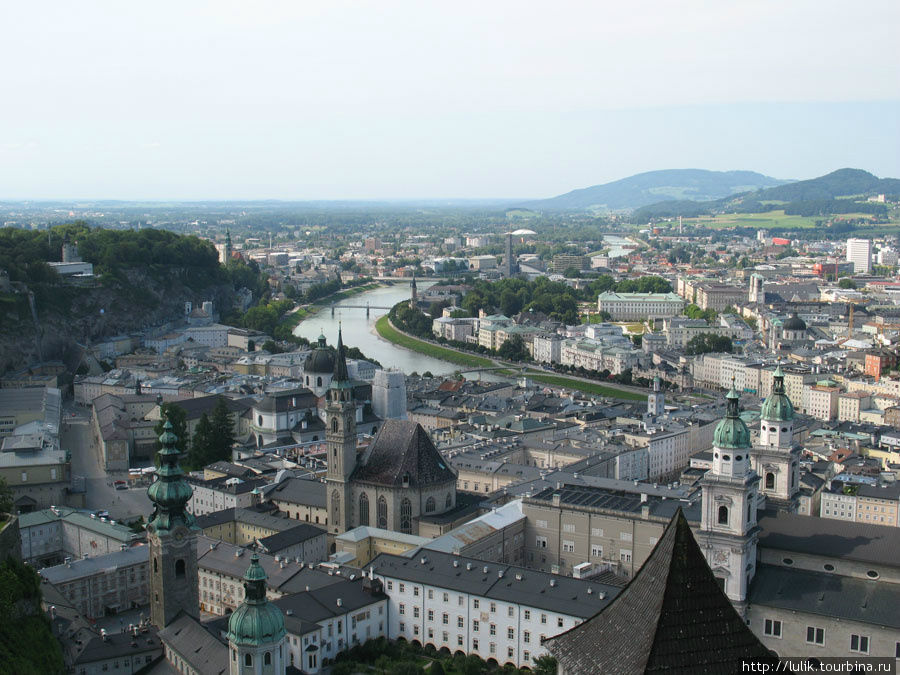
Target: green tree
[[27, 644], [201, 444], [513, 349], [545, 665], [222, 432], [847, 282], [705, 343], [6, 498]]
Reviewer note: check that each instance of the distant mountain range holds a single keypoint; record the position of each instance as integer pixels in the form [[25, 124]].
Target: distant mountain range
[[693, 191], [840, 183], [651, 187]]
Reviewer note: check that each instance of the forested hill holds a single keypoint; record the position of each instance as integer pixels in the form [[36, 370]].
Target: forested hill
[[655, 186], [840, 183], [830, 194], [142, 278]]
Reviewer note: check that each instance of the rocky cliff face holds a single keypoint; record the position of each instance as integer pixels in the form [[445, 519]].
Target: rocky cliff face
[[62, 317]]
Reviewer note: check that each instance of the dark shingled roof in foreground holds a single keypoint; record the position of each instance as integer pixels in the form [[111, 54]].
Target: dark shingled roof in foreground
[[671, 618], [403, 448]]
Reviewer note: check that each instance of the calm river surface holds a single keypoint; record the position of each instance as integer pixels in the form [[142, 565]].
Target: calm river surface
[[359, 330]]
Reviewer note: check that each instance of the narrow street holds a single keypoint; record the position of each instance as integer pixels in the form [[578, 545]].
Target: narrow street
[[123, 505]]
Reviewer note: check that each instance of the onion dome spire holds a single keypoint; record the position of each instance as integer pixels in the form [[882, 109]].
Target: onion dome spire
[[256, 621], [732, 432], [777, 407], [170, 493]]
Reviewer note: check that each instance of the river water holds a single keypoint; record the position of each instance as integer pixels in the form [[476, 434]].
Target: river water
[[359, 329], [618, 246]]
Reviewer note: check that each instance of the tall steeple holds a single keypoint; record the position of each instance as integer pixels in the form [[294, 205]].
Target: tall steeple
[[776, 459], [413, 293], [340, 361], [656, 400], [340, 438], [172, 533], [256, 631], [728, 530]]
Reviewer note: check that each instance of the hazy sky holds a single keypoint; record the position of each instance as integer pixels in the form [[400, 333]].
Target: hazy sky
[[348, 100]]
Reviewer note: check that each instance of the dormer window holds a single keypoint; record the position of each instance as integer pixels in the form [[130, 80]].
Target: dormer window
[[405, 480]]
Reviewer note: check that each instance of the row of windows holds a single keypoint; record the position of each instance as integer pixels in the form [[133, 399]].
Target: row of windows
[[816, 636]]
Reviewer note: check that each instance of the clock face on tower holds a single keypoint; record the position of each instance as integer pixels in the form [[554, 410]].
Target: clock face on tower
[[179, 534], [721, 557]]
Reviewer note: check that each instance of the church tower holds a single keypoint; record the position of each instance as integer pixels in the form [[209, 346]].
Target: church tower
[[172, 534], [728, 529], [227, 246], [256, 632], [340, 439], [413, 293], [656, 400], [775, 458]]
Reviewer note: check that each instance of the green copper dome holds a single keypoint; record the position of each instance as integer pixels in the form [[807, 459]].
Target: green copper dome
[[256, 622], [169, 493], [731, 432], [777, 407]]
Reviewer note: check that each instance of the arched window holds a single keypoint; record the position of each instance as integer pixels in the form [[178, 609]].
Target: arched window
[[770, 481], [382, 512], [749, 511], [406, 516], [364, 509], [248, 660], [334, 424], [429, 505], [336, 506], [259, 420], [307, 379], [723, 515], [179, 568], [267, 659], [155, 565], [318, 381], [448, 502]]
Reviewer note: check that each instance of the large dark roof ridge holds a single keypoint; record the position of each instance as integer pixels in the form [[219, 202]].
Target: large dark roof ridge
[[672, 617]]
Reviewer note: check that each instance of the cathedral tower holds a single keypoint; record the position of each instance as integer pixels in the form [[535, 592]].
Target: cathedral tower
[[413, 293], [656, 400], [728, 529], [340, 438], [172, 534], [775, 458], [256, 632]]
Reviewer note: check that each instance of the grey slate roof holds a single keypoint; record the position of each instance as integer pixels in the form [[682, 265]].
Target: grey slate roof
[[300, 491], [403, 448], [541, 590], [119, 645], [279, 541], [671, 618], [79, 569], [828, 594], [201, 650], [830, 538]]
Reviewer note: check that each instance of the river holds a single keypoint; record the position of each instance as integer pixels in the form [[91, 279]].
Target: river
[[359, 329], [618, 246]]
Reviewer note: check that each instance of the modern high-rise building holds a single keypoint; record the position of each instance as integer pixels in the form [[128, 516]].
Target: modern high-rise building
[[859, 252], [510, 268]]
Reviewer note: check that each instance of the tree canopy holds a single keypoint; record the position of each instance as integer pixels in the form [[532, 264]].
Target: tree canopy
[[705, 343]]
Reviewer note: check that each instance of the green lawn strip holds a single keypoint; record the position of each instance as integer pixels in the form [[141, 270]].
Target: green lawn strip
[[391, 334], [586, 387]]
